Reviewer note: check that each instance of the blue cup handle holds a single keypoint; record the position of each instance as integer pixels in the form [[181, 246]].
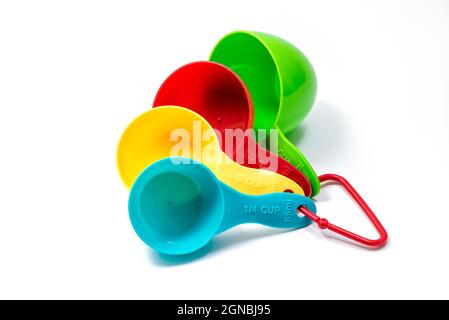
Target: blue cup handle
[[277, 210]]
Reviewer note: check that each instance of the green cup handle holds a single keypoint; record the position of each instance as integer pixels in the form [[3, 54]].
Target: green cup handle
[[291, 153]]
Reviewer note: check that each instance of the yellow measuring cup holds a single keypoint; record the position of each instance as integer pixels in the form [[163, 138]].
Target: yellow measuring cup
[[175, 131]]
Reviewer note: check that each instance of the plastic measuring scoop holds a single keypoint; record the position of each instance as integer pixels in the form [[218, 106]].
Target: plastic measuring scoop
[[282, 84], [178, 208], [219, 95], [176, 131]]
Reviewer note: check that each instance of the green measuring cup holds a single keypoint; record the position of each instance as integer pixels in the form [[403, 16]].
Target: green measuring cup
[[282, 84]]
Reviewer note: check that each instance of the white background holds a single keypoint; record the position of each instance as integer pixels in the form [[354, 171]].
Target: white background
[[74, 73]]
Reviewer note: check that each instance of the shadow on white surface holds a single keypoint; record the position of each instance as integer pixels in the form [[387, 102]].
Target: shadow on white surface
[[323, 135], [230, 239]]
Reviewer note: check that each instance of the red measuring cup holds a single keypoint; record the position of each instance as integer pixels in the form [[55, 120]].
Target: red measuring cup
[[218, 95]]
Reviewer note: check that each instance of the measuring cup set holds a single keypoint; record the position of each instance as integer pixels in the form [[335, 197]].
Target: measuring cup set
[[182, 195]]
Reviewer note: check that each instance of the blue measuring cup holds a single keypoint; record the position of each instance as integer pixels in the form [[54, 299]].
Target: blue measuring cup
[[177, 206]]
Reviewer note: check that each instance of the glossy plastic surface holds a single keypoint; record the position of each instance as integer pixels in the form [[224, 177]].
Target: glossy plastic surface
[[282, 84], [219, 95], [178, 208], [158, 133]]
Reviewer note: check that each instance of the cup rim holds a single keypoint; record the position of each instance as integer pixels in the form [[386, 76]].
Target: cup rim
[[134, 209], [254, 35], [141, 115], [250, 121]]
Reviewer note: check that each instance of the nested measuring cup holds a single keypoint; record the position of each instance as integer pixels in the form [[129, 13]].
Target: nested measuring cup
[[177, 206], [173, 131], [282, 84]]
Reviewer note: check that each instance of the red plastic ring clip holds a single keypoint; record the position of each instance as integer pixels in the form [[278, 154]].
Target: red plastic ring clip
[[325, 224]]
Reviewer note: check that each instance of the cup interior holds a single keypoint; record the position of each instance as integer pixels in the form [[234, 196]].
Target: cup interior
[[247, 56], [176, 208], [213, 91], [160, 133]]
